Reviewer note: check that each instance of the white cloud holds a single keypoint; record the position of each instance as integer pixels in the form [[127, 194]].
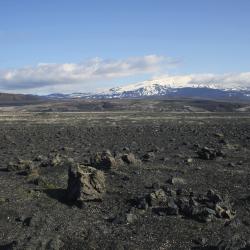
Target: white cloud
[[98, 73], [74, 76]]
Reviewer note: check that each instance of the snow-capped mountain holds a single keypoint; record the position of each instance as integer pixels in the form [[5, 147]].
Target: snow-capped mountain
[[161, 87], [153, 87], [164, 87]]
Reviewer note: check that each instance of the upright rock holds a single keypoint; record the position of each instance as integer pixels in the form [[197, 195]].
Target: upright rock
[[85, 184]]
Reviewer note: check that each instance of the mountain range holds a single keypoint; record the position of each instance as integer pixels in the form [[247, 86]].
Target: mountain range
[[161, 88]]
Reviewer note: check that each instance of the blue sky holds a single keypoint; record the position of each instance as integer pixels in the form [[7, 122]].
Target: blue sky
[[195, 36]]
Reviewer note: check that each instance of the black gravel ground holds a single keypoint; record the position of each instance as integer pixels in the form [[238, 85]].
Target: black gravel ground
[[36, 215]]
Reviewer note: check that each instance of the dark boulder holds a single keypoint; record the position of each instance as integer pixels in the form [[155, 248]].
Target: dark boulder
[[149, 157], [104, 160], [206, 153]]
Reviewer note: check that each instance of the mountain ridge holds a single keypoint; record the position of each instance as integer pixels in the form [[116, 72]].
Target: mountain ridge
[[159, 88]]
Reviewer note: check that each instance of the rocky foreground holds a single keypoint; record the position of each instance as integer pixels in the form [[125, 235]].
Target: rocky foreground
[[129, 184]]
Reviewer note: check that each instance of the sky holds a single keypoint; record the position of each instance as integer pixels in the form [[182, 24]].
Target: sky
[[87, 45]]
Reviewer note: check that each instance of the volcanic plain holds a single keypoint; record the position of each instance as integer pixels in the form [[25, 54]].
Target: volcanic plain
[[125, 174]]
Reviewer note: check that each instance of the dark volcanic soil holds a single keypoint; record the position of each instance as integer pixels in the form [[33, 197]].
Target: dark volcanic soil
[[35, 214]]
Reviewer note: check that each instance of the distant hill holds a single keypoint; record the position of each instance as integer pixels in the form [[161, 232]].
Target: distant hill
[[6, 98]]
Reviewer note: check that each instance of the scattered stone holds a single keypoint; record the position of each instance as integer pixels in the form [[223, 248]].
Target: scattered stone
[[125, 178], [9, 246], [41, 158], [176, 181], [53, 160], [155, 149], [155, 186], [170, 192], [200, 241], [107, 161], [231, 164], [142, 203], [189, 160], [85, 184], [131, 217], [234, 223], [149, 157], [24, 220], [104, 160], [126, 149], [67, 149], [43, 242], [164, 159], [20, 165], [3, 200], [33, 175], [235, 243], [202, 208], [223, 141], [197, 145], [219, 135], [224, 212], [170, 209], [56, 160], [206, 153], [130, 159], [198, 168], [202, 214], [157, 198], [212, 196]]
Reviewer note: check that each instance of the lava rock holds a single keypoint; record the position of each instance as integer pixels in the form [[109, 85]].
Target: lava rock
[[142, 203], [176, 181], [149, 157], [200, 241], [206, 153], [189, 161], [85, 184], [20, 165], [157, 198], [212, 196], [130, 159], [104, 160], [56, 161], [172, 208], [203, 214], [131, 217]]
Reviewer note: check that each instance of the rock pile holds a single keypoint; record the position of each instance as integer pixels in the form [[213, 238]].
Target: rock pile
[[107, 161], [85, 184], [203, 208], [53, 160]]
